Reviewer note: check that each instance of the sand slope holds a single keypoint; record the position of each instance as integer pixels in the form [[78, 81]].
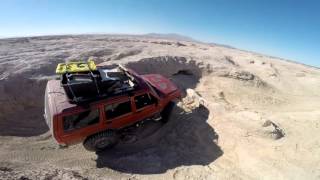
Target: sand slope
[[245, 115]]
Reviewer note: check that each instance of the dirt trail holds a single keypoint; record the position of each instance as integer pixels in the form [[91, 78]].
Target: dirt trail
[[244, 115]]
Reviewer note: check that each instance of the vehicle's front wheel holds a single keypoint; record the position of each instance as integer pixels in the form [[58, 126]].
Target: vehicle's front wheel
[[166, 112], [101, 141]]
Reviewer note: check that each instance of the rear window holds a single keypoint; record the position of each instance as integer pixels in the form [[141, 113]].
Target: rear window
[[47, 113], [81, 120]]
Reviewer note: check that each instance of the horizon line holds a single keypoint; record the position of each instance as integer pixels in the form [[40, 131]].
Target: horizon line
[[190, 39]]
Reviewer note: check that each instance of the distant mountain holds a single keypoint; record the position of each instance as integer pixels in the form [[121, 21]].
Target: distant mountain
[[172, 36], [223, 45]]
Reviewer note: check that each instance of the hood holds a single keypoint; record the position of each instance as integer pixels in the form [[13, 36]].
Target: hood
[[162, 84]]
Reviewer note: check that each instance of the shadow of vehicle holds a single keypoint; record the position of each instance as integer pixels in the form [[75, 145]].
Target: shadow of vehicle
[[185, 140]]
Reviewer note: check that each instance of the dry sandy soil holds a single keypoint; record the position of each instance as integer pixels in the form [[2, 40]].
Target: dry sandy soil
[[244, 115]]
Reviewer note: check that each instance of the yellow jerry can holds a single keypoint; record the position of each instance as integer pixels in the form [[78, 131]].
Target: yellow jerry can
[[74, 67]]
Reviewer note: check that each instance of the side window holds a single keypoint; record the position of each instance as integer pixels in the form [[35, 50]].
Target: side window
[[80, 120], [117, 109], [144, 100]]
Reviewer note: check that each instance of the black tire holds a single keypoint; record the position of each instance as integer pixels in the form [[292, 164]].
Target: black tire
[[101, 141], [166, 112]]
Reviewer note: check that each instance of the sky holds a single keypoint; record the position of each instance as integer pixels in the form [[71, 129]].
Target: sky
[[288, 29]]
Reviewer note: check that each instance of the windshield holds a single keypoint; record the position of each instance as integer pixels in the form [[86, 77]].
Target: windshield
[[154, 90]]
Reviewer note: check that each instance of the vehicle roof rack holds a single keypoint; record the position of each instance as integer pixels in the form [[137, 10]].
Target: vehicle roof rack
[[84, 82]]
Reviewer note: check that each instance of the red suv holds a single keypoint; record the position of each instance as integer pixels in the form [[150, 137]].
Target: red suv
[[96, 123]]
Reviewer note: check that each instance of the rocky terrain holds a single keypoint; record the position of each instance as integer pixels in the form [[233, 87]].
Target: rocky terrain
[[244, 115]]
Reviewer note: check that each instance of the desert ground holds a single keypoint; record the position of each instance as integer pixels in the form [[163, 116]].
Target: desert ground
[[244, 115]]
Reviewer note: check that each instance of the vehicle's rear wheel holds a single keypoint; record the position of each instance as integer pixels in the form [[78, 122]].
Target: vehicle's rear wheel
[[166, 112], [101, 141]]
